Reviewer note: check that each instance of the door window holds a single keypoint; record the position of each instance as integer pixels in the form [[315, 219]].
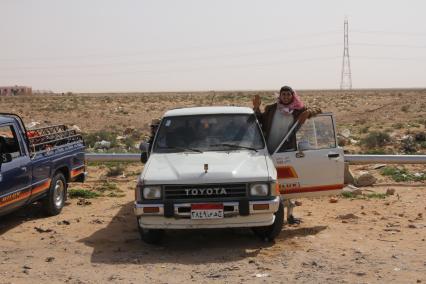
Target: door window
[[8, 141], [316, 133]]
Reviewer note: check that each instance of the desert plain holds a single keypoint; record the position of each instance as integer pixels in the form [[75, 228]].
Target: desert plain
[[374, 237]]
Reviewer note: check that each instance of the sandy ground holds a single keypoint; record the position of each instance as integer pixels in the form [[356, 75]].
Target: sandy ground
[[351, 241]]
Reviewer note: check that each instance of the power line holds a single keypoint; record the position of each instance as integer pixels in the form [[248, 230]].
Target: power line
[[390, 58], [383, 32], [157, 61], [176, 49], [388, 45], [198, 68]]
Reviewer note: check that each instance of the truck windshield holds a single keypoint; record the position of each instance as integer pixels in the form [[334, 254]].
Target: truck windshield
[[218, 132]]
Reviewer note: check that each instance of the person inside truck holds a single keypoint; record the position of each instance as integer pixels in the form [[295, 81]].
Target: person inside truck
[[8, 142], [2, 145], [277, 119]]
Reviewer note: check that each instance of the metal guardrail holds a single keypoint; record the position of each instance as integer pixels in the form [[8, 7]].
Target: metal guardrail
[[385, 159], [351, 159]]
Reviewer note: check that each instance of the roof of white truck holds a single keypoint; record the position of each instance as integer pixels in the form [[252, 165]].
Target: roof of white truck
[[209, 110]]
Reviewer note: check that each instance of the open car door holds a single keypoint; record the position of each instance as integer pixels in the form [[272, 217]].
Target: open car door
[[310, 164]]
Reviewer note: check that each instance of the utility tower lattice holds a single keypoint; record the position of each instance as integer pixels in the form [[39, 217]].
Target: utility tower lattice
[[346, 80]]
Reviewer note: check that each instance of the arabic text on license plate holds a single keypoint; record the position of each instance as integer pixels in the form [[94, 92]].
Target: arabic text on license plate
[[206, 211]]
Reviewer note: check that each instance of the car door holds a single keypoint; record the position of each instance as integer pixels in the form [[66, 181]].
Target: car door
[[15, 175], [313, 164]]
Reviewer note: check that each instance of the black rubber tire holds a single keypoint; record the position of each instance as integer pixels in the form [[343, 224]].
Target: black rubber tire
[[269, 233], [49, 205], [151, 236]]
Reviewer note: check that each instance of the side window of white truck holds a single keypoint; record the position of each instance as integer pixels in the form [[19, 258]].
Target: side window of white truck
[[317, 133]]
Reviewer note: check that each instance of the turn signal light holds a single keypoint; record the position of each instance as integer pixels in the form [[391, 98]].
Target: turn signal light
[[260, 206], [151, 210]]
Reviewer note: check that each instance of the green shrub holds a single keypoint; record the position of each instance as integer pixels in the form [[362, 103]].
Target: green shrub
[[116, 170], [115, 194], [82, 193], [376, 195], [420, 137], [107, 186], [377, 151], [408, 145], [91, 138], [365, 129], [402, 174], [107, 163], [346, 194], [130, 143], [405, 108], [398, 125], [376, 139]]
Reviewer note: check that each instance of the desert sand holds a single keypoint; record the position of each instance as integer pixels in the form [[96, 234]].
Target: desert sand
[[372, 238]]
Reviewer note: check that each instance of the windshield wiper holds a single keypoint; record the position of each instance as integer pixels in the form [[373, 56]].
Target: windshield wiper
[[183, 149], [235, 146]]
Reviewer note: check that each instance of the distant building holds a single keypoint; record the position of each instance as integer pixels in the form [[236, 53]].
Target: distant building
[[15, 91]]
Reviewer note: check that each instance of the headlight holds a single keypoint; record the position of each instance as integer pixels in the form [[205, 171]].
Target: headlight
[[152, 192], [259, 189]]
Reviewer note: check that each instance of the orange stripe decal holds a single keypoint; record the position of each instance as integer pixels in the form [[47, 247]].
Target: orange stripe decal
[[17, 196], [286, 172], [311, 188], [42, 187], [77, 172], [14, 197]]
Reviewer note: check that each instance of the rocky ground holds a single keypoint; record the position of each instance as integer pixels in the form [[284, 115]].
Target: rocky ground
[[367, 238], [368, 121]]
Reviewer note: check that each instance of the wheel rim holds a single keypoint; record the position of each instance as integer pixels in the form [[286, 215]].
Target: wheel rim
[[58, 195]]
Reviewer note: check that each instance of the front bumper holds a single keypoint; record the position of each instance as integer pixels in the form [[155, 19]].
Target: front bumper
[[232, 218]]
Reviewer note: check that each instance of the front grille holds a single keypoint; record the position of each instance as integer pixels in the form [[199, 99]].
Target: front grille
[[202, 191]]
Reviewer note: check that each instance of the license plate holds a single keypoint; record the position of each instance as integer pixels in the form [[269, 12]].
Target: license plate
[[206, 211]]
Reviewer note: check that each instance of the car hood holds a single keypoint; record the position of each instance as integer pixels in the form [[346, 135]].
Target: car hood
[[188, 168]]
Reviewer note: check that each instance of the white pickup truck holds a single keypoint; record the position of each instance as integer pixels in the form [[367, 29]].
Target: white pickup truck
[[209, 167]]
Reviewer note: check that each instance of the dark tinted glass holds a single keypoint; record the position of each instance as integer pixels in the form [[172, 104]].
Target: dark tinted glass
[[208, 133]]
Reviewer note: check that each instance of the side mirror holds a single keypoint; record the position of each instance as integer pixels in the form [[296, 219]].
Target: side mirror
[[144, 148], [302, 146]]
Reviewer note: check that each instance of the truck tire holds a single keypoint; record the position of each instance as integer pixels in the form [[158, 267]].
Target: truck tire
[[269, 233], [55, 199], [151, 236]]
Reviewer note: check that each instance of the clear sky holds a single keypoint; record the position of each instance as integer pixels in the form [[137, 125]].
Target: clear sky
[[184, 45]]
